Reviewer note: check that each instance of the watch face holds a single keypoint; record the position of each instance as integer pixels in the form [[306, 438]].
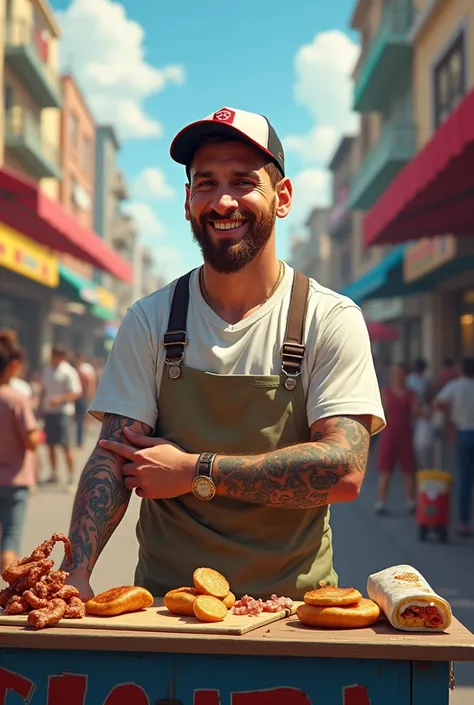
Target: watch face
[[204, 488]]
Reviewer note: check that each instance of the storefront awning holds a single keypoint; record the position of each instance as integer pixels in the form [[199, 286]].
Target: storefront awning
[[103, 304], [383, 281], [434, 193], [25, 208]]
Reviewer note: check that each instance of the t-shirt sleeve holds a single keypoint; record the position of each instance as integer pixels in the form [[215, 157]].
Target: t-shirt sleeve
[[74, 382], [25, 418], [446, 394], [128, 383], [343, 379]]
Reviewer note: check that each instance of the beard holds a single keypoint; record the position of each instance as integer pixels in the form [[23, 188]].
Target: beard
[[229, 255]]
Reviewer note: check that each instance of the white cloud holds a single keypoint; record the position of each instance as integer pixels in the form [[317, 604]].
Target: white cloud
[[149, 225], [105, 51], [169, 262], [151, 183], [324, 87], [312, 187]]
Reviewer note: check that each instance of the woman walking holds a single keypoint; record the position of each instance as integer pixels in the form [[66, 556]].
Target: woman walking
[[396, 445], [20, 437]]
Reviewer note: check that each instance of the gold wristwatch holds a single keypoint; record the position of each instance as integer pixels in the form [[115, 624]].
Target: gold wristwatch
[[203, 486]]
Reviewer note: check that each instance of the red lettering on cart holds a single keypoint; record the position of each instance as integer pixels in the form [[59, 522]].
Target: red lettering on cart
[[274, 696], [207, 697], [126, 694], [13, 682], [355, 695], [68, 687]]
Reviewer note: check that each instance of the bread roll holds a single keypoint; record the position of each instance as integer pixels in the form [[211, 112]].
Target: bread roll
[[408, 601], [229, 601], [364, 614], [209, 609], [119, 600], [180, 601], [332, 597], [209, 582]]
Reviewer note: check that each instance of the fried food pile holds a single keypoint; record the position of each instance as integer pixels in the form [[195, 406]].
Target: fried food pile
[[337, 608], [37, 590], [211, 599]]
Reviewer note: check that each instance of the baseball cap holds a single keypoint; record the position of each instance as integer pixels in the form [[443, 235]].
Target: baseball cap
[[252, 128]]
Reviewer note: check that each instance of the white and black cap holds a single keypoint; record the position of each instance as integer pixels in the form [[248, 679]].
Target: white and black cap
[[249, 127]]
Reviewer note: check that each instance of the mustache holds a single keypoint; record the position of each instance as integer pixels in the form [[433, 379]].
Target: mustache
[[234, 215]]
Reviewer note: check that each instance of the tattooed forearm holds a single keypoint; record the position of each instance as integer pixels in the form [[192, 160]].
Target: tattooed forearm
[[101, 498], [328, 469]]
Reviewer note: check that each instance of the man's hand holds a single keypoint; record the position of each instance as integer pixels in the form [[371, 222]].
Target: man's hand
[[156, 468], [80, 580], [55, 401]]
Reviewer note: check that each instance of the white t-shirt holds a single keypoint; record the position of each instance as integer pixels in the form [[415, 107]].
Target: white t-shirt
[[459, 393], [21, 386], [338, 373], [58, 381]]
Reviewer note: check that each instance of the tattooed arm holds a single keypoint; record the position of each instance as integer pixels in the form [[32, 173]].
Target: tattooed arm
[[328, 469], [101, 498]]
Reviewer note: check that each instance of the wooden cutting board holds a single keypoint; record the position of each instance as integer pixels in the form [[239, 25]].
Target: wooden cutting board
[[158, 619]]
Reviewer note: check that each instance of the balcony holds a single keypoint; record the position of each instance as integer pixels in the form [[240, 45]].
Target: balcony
[[120, 186], [388, 56], [26, 144], [384, 160], [26, 54], [123, 234]]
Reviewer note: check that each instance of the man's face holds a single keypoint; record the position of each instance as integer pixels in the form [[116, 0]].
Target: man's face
[[232, 205]]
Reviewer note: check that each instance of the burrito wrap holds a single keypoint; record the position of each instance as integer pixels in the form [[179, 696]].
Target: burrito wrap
[[408, 601]]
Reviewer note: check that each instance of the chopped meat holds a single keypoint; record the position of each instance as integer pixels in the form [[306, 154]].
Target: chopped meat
[[251, 606]]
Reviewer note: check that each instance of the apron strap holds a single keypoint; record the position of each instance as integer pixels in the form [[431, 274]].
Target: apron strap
[[176, 337], [293, 349]]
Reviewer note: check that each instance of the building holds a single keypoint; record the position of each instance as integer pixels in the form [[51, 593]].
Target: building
[[311, 254], [34, 227], [116, 227], [430, 201]]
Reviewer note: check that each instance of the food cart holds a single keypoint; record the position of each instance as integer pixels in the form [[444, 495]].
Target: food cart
[[279, 662]]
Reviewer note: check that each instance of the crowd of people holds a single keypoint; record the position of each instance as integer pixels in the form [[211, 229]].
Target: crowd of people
[[430, 425], [50, 408]]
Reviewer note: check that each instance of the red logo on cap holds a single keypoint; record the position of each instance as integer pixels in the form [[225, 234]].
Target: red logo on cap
[[224, 115]]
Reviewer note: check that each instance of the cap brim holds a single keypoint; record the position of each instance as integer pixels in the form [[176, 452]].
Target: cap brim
[[186, 142]]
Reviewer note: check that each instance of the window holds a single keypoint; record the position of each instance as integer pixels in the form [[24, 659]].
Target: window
[[450, 80], [74, 128], [8, 97], [86, 156]]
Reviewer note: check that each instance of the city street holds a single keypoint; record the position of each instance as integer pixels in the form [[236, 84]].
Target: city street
[[363, 543]]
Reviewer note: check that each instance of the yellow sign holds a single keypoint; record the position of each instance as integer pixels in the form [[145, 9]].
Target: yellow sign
[[106, 299], [427, 255], [25, 257]]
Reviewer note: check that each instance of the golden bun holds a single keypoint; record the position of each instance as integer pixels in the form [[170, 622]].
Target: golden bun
[[333, 597], [180, 601], [209, 582], [358, 616]]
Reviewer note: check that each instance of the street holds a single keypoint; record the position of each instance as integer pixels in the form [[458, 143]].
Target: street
[[363, 544]]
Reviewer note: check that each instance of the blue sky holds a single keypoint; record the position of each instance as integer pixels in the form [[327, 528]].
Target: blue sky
[[149, 67]]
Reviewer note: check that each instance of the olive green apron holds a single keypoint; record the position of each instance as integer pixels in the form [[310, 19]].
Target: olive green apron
[[261, 550]]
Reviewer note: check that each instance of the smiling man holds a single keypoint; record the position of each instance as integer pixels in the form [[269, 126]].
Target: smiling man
[[238, 401]]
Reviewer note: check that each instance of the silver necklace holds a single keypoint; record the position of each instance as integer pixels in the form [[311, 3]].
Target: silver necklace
[[272, 291]]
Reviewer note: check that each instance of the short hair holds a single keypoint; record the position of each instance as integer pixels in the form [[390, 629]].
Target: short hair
[[59, 350], [271, 168], [10, 351], [468, 367]]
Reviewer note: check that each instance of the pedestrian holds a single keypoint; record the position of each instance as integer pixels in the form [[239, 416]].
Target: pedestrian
[[61, 388], [17, 379], [396, 445], [241, 396], [457, 399], [20, 436], [87, 375]]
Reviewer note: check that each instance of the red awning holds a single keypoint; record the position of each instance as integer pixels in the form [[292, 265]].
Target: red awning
[[434, 193], [26, 209], [379, 332]]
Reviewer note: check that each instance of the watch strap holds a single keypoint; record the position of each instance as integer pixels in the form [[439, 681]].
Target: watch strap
[[204, 464]]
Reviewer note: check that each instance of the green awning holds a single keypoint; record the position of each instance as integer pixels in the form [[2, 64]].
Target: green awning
[[84, 289], [104, 313]]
